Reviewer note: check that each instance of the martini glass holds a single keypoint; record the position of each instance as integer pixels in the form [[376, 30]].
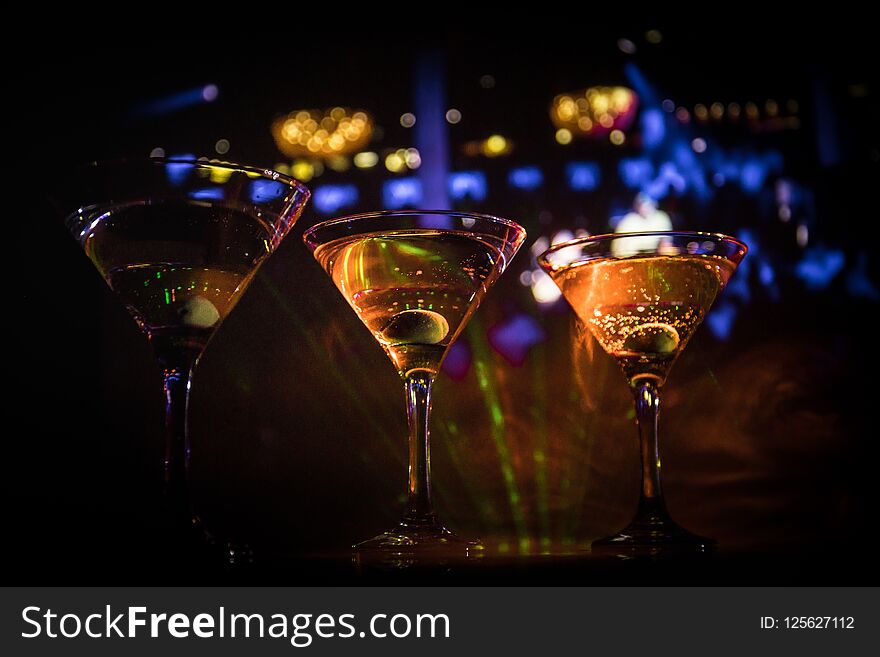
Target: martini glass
[[414, 278], [642, 296], [178, 242]]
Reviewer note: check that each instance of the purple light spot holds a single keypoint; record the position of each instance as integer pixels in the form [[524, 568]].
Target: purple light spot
[[514, 337]]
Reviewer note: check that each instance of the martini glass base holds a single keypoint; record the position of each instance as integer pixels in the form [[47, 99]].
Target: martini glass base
[[653, 535], [220, 551], [187, 542], [420, 539]]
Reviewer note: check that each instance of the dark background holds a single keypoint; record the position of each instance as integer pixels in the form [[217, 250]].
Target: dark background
[[297, 417]]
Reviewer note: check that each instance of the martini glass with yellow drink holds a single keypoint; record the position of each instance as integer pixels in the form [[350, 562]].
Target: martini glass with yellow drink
[[414, 278], [642, 296]]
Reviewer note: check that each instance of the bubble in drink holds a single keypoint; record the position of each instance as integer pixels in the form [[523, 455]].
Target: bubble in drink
[[416, 327]]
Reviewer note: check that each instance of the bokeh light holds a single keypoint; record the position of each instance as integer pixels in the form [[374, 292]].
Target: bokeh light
[[322, 134], [395, 162], [563, 136], [366, 160], [595, 111], [453, 116], [495, 145]]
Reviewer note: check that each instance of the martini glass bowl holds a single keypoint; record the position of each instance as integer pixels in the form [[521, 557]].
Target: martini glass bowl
[[642, 296], [178, 242], [415, 278]]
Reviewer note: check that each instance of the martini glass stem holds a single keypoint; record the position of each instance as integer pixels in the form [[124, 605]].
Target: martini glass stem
[[177, 448], [652, 508], [418, 384], [177, 373]]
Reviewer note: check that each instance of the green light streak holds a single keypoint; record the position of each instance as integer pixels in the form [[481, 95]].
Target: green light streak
[[482, 358], [448, 435], [655, 275], [323, 360], [539, 421], [583, 430], [416, 251]]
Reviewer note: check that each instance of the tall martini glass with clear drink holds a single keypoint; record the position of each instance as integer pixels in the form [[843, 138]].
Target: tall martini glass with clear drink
[[414, 278], [178, 242]]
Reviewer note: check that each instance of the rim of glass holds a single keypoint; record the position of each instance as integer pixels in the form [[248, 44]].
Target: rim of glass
[[222, 164], [376, 214], [606, 237]]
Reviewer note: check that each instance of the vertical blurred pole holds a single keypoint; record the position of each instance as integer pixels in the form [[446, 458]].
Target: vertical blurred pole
[[825, 117], [431, 138]]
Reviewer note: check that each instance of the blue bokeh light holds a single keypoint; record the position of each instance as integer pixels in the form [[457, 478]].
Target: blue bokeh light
[[526, 178], [332, 198], [265, 190], [583, 176], [208, 193], [468, 185], [402, 192]]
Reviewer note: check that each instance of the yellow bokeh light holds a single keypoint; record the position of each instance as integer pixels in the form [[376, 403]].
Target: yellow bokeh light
[[563, 136], [303, 170], [220, 175], [582, 112], [316, 133], [395, 163], [339, 163], [617, 137], [495, 145], [366, 160], [620, 98], [336, 141], [567, 109]]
